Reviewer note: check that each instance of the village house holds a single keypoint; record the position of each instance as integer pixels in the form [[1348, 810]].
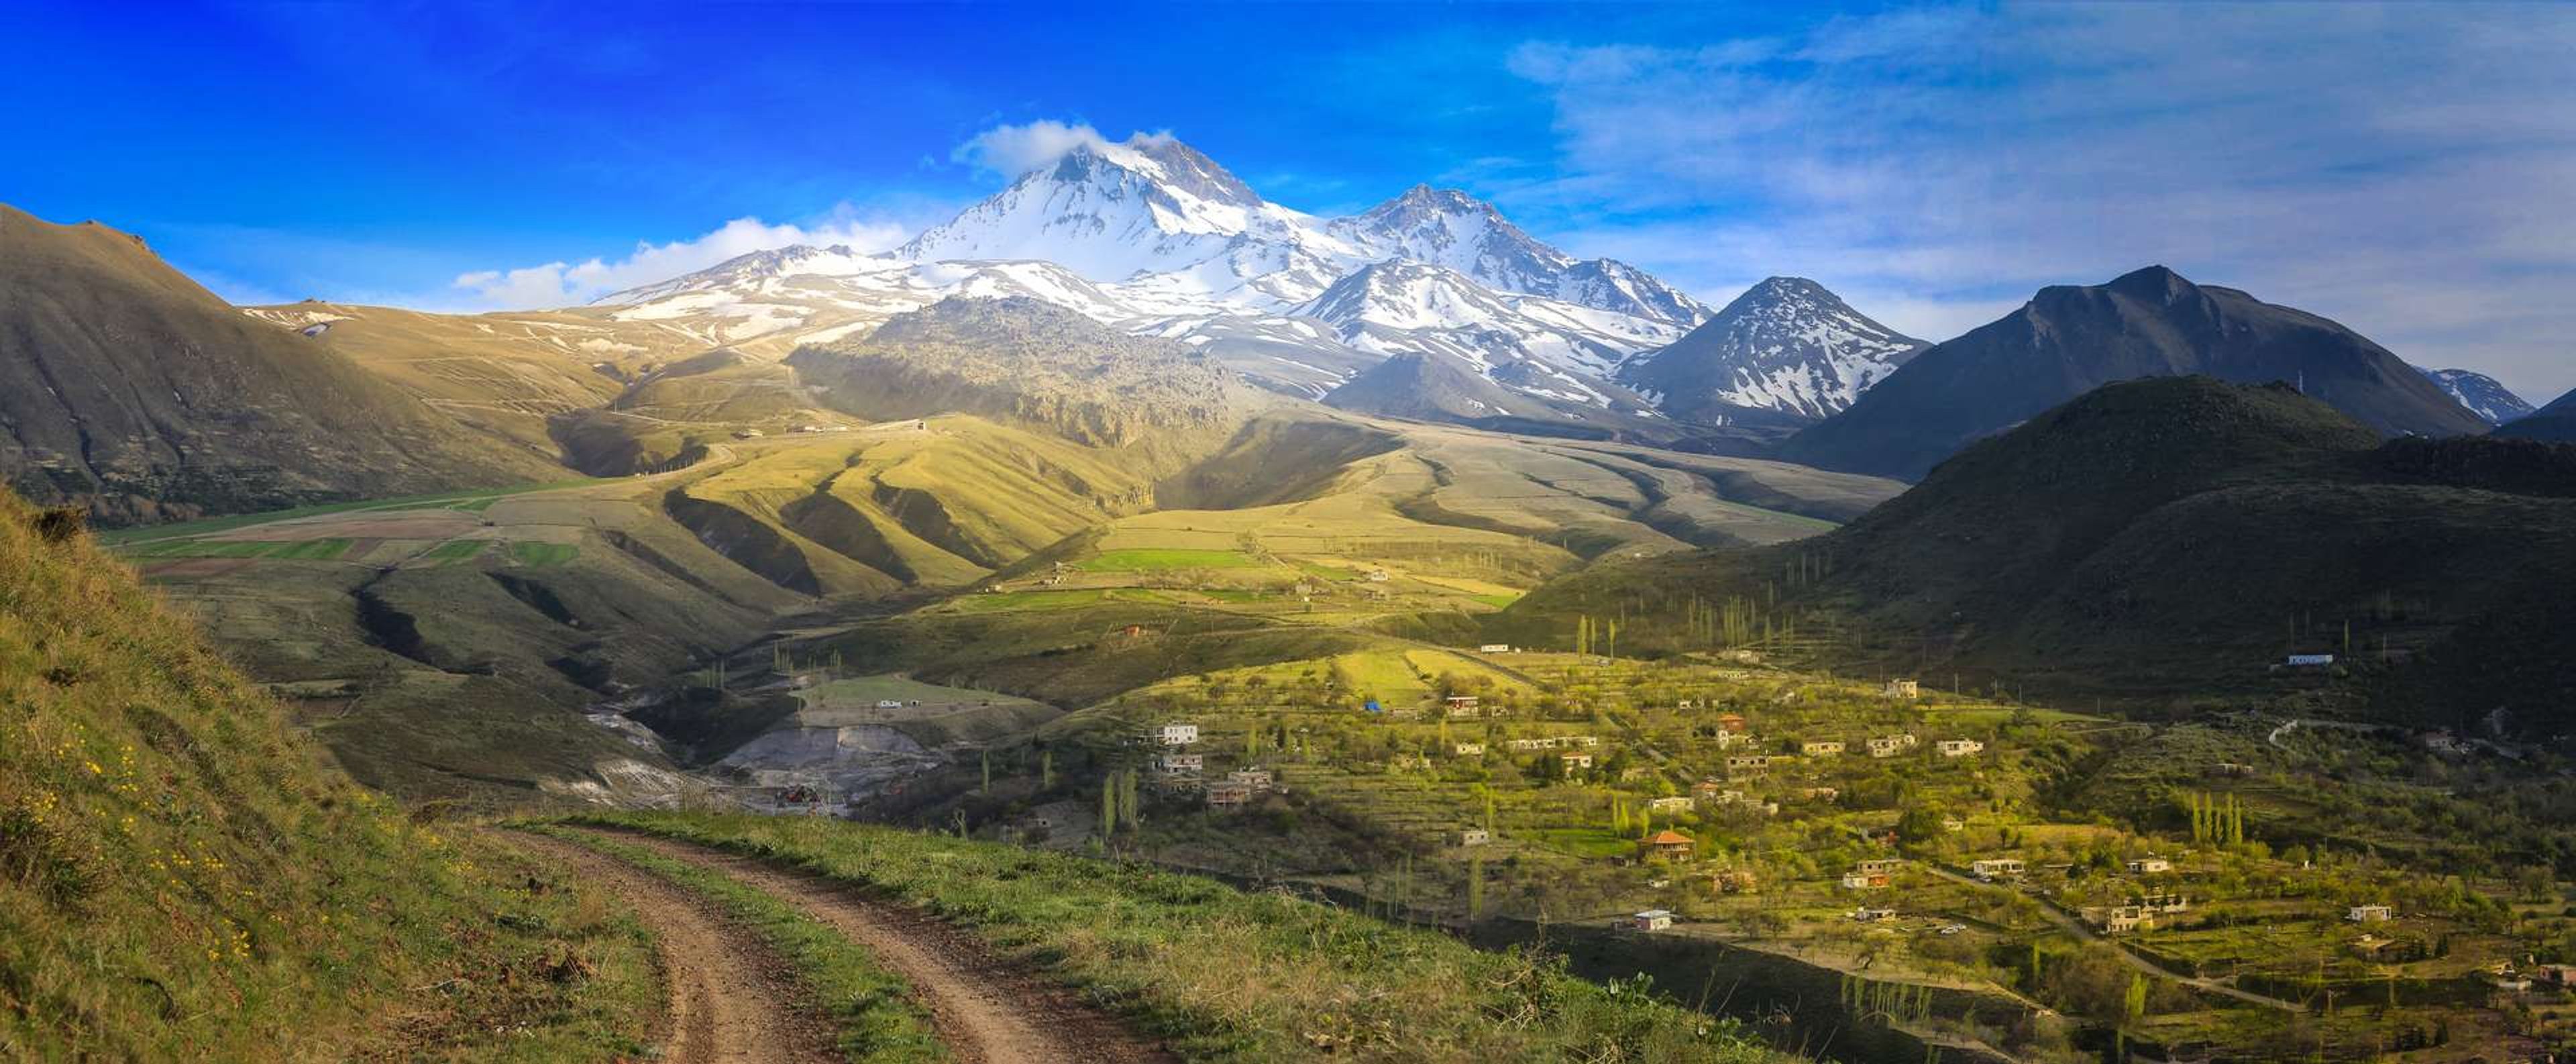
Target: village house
[[1575, 762], [1996, 868], [2231, 768], [1229, 794], [1748, 763], [1823, 794], [2163, 902], [1870, 875], [1670, 844], [1858, 881], [1727, 740], [1379, 576], [1961, 747], [1820, 749], [1903, 689], [1669, 805], [1464, 707], [1475, 837], [1651, 920], [1733, 722], [2119, 919], [1259, 779], [1882, 866], [1891, 745], [1183, 764], [1180, 734], [1867, 915], [1495, 648], [2370, 914], [2148, 866], [1470, 749]]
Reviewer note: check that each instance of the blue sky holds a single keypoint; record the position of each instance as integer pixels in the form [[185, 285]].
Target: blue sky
[[2404, 169]]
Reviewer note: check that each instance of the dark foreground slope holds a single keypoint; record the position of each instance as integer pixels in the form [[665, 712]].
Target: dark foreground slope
[[2157, 538], [127, 388], [2069, 340], [182, 879]]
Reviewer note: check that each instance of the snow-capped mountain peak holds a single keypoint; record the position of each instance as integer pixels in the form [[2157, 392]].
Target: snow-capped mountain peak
[[2485, 396], [1787, 345]]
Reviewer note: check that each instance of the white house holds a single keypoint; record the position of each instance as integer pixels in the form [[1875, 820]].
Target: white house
[[1470, 749], [1495, 648], [1183, 764], [1748, 763], [1575, 762], [1822, 749], [1903, 689], [1996, 868], [1669, 805], [1180, 734], [2370, 914], [1961, 747], [2147, 866], [1651, 920], [1475, 837]]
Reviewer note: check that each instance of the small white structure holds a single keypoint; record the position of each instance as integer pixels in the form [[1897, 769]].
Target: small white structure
[[1180, 734], [1470, 749], [1748, 763], [1651, 920], [2308, 661], [1184, 764], [1669, 805], [1475, 837], [1575, 762], [1821, 749], [2147, 866], [1996, 868], [1903, 689], [2370, 914], [1379, 576], [1259, 779], [1961, 747], [889, 703], [1495, 648], [1464, 707]]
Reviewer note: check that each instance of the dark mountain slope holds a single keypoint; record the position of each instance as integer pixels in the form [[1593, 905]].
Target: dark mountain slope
[[2162, 537], [126, 388], [2555, 422], [2069, 340]]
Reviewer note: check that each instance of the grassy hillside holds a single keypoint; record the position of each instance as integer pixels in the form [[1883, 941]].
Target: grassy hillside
[[183, 878], [2152, 538], [128, 389]]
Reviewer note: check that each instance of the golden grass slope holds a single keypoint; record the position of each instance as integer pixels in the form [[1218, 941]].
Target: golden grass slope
[[183, 879]]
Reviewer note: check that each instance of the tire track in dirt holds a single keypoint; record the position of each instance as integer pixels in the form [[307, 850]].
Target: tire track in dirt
[[732, 1000], [985, 1008]]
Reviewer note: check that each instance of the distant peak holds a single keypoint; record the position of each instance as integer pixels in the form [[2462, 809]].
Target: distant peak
[[2150, 282]]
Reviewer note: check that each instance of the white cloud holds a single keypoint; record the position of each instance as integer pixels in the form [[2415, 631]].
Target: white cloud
[[560, 283], [1009, 151], [2401, 169]]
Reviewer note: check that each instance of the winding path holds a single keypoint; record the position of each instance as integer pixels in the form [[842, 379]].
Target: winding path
[[986, 1009]]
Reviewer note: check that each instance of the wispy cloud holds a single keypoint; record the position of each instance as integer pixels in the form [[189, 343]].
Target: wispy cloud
[[555, 284], [2403, 169], [1011, 150]]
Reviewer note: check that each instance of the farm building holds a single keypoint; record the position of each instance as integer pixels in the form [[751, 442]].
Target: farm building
[[1259, 779], [1903, 689], [1470, 749], [1180, 734], [1575, 762], [1748, 763], [1670, 843], [1823, 794], [1961, 747], [1475, 837], [1867, 915], [1651, 920], [1464, 707], [1996, 868], [2147, 866], [1733, 722], [1228, 794], [1379, 576], [2119, 919], [2370, 914], [1495, 648], [1891, 745], [1183, 764], [1821, 749], [1883, 866], [1669, 805]]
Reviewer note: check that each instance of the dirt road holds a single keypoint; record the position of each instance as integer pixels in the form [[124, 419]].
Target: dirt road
[[732, 999], [986, 1009]]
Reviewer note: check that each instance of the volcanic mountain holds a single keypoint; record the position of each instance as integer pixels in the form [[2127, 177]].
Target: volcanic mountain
[[2069, 340]]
